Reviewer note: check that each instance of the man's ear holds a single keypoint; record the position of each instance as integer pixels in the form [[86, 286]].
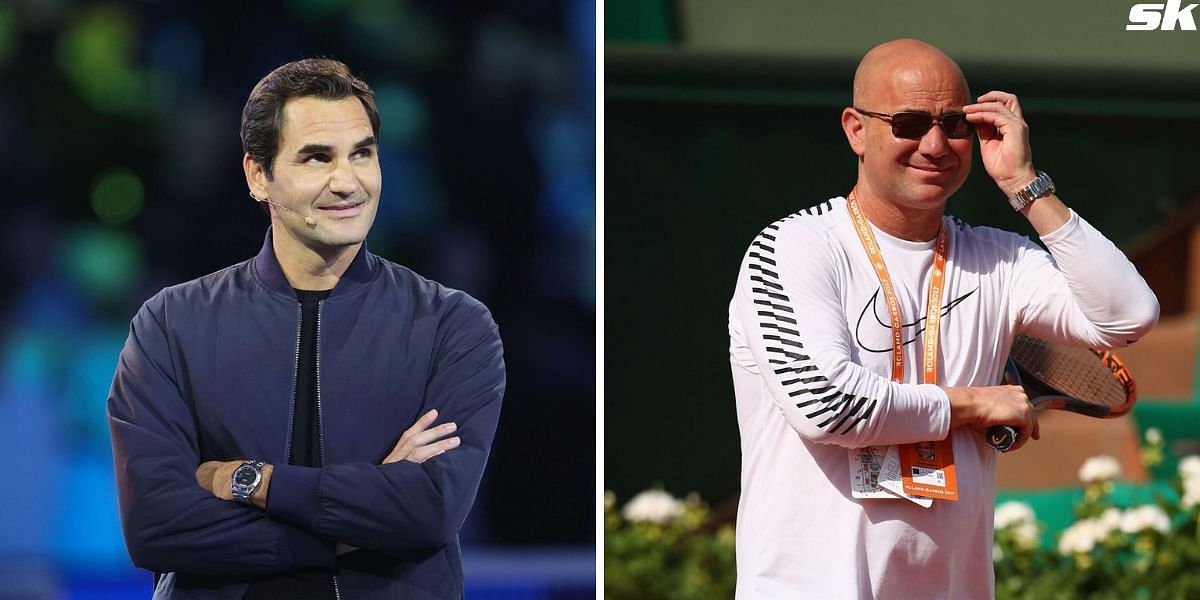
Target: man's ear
[[855, 129], [256, 177]]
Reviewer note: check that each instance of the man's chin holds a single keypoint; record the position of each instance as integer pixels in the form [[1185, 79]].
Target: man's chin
[[341, 234], [926, 195], [339, 242], [933, 193]]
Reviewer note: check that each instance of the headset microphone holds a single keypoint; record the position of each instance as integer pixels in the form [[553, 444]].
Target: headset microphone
[[311, 222]]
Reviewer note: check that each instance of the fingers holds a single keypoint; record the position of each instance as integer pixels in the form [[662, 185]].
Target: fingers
[[204, 474], [1026, 433], [995, 114], [215, 475], [417, 439], [424, 421], [417, 428], [1003, 139], [998, 109], [420, 445], [1008, 100], [429, 451], [1029, 428], [425, 437], [1005, 405], [988, 407]]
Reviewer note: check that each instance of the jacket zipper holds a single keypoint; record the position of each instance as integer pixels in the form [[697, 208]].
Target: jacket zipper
[[287, 452], [320, 418]]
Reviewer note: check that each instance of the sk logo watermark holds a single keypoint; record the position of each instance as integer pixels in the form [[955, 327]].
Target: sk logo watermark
[[1148, 17]]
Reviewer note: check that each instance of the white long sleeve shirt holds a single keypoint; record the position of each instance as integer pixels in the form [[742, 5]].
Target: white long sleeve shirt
[[810, 349]]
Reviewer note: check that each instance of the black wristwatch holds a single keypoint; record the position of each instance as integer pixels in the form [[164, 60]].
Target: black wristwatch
[[246, 479]]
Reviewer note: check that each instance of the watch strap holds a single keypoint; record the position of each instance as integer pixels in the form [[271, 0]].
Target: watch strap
[[1040, 186]]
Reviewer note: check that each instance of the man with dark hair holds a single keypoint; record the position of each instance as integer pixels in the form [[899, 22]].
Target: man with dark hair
[[262, 117], [273, 423]]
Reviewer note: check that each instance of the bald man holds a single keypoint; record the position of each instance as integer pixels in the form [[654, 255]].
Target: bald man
[[868, 334]]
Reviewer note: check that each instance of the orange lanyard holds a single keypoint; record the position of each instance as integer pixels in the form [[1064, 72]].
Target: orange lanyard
[[933, 321]]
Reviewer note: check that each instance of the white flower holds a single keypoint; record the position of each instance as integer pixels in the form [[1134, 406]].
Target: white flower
[[1026, 535], [1099, 469], [655, 506], [1086, 533], [1189, 472], [1147, 516], [1107, 522], [1154, 436], [1079, 538], [1013, 513], [1189, 467], [1191, 493]]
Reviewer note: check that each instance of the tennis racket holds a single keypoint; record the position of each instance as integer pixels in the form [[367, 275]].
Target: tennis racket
[[1087, 381]]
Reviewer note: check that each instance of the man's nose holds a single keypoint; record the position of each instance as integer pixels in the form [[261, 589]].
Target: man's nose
[[343, 181], [934, 142]]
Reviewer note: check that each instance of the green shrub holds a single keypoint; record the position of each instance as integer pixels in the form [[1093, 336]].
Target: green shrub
[[662, 548]]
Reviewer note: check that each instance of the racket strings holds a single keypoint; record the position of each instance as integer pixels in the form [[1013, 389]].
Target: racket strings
[[1075, 372]]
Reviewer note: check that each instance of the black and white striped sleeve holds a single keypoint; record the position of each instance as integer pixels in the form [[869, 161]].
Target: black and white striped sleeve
[[788, 327]]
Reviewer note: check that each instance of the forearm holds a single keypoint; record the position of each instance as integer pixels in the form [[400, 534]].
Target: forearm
[[231, 544], [298, 495], [299, 502], [172, 524], [1047, 214], [801, 351], [891, 413], [400, 507], [982, 407], [1107, 290]]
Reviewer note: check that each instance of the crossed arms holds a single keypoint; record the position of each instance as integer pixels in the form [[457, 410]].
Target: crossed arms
[[416, 499], [420, 443]]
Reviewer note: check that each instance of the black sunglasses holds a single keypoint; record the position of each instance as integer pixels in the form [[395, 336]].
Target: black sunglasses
[[914, 125]]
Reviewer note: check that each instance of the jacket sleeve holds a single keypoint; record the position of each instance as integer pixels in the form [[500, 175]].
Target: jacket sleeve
[[788, 336], [403, 506], [170, 522], [1084, 292]]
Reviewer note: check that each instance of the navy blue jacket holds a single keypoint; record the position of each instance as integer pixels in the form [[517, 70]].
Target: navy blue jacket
[[208, 373]]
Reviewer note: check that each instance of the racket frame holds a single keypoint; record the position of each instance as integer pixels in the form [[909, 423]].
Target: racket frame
[[1002, 437]]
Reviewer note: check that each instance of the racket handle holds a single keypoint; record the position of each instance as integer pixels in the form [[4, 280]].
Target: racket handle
[[1002, 437]]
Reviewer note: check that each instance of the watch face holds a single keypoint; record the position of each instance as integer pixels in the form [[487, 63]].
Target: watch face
[[244, 476]]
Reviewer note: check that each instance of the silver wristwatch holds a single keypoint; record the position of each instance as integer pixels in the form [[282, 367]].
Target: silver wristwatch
[[246, 479], [1040, 187]]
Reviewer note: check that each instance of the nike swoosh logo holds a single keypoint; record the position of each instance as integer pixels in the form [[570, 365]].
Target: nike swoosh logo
[[884, 321]]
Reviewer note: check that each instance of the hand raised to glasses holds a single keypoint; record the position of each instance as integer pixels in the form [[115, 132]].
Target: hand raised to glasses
[[1003, 140]]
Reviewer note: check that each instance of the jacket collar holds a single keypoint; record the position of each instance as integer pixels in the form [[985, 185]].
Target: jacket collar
[[360, 271]]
